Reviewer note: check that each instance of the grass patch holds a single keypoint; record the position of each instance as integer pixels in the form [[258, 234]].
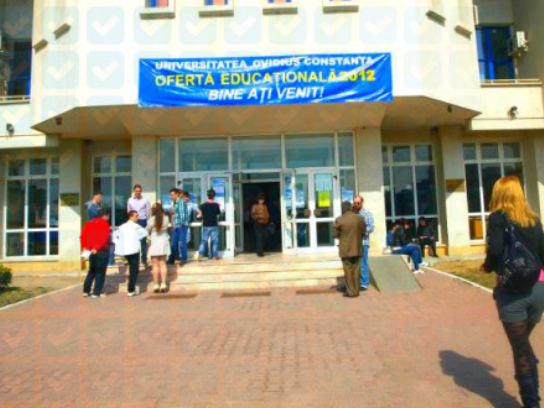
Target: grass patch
[[13, 295], [468, 270]]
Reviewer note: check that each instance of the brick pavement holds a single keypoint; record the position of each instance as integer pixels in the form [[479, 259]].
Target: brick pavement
[[443, 347]]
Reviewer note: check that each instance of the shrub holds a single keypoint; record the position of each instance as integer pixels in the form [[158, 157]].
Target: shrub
[[5, 276]]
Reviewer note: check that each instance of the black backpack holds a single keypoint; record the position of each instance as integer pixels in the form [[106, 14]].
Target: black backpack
[[519, 268]]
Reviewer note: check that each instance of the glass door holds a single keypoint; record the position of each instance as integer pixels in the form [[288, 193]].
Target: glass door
[[288, 212], [316, 207], [222, 185], [194, 185]]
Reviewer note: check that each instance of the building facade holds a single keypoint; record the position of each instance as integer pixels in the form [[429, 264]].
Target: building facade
[[467, 109]]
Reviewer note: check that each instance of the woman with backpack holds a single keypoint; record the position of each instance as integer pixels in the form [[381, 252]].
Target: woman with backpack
[[159, 249], [515, 251]]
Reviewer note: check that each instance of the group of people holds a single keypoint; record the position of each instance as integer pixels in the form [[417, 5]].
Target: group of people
[[148, 232]]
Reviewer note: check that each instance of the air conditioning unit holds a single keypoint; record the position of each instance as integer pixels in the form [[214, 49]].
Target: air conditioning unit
[[518, 44]]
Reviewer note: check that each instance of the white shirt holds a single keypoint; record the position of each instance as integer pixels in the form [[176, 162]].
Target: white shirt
[[141, 206], [127, 238]]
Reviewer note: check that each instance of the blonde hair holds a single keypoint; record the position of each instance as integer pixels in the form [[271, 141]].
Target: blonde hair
[[509, 198]]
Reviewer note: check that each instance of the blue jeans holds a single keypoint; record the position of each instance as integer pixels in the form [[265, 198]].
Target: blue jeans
[[143, 243], [175, 245], [365, 272], [413, 252], [213, 233]]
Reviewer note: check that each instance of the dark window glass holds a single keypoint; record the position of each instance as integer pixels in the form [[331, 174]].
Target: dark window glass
[[16, 168], [490, 174], [403, 185], [490, 151], [15, 206], [54, 203], [426, 190], [203, 154], [514, 169], [38, 167], [424, 153], [123, 164], [37, 203], [15, 244], [54, 243], [512, 151], [167, 155], [387, 191], [473, 188], [37, 243], [469, 151], [401, 154], [102, 164]]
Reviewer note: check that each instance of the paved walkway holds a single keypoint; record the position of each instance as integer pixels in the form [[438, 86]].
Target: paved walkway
[[442, 347]]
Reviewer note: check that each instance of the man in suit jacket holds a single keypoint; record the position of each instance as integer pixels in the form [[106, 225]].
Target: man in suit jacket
[[350, 229]]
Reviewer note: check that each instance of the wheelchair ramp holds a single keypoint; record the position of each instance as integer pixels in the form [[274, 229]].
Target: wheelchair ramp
[[392, 275]]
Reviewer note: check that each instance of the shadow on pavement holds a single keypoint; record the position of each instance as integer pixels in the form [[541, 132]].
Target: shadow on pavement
[[475, 376]]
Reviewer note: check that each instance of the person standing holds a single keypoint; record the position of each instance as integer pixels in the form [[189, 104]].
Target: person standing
[[358, 206], [141, 205], [193, 211], [350, 229], [520, 302], [210, 228], [261, 218], [95, 237], [94, 206], [176, 226], [159, 248], [127, 243], [426, 235]]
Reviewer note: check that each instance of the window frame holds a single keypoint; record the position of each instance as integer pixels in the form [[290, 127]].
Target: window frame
[[413, 163], [483, 214], [26, 230]]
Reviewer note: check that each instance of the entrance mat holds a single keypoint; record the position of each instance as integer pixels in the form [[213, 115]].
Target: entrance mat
[[172, 296], [244, 294], [391, 274], [317, 291]]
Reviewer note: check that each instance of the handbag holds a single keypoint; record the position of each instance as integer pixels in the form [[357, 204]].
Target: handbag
[[519, 269]]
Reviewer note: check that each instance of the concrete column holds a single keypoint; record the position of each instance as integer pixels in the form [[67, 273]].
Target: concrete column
[[454, 206], [71, 217], [145, 166], [533, 151], [368, 143], [3, 188]]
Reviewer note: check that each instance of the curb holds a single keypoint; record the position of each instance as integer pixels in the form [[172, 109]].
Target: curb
[[38, 297], [454, 277]]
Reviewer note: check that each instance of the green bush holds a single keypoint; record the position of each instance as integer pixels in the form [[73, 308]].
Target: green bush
[[5, 276]]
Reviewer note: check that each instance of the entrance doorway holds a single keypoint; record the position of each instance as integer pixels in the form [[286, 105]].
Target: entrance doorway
[[271, 191]]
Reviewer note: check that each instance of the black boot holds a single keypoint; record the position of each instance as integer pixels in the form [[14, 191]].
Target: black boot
[[534, 365], [528, 391]]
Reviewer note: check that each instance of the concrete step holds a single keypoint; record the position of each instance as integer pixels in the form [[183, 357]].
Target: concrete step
[[256, 276]]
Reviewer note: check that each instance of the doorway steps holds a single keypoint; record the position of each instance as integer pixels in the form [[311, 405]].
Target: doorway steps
[[245, 272]]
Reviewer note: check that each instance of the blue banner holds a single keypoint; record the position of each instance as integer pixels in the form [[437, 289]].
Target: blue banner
[[295, 79]]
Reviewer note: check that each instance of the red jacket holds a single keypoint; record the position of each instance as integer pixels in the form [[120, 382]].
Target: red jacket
[[96, 235]]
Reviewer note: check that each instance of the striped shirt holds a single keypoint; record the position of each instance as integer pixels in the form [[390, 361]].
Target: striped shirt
[[181, 213], [369, 222]]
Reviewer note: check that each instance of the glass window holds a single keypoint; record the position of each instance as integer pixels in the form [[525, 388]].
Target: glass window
[[490, 151], [401, 154], [38, 167], [37, 203], [55, 166], [114, 184], [403, 191], [309, 150], [424, 153], [15, 203], [409, 183], [346, 149], [473, 188], [123, 164], [16, 168], [32, 208], [324, 195], [167, 148], [481, 175], [469, 151], [490, 174], [54, 243], [512, 151], [493, 55], [347, 185], [325, 236], [426, 190], [254, 153], [102, 164], [385, 154], [166, 184], [301, 196], [204, 154]]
